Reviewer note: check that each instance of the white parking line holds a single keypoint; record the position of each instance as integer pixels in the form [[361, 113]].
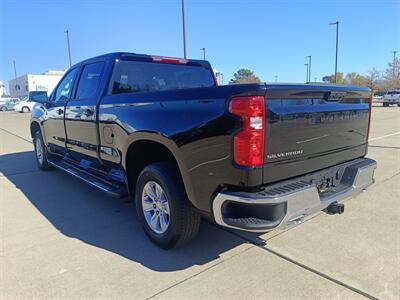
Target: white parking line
[[384, 136]]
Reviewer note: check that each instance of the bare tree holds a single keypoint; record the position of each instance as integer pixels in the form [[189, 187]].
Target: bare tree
[[392, 75], [372, 77]]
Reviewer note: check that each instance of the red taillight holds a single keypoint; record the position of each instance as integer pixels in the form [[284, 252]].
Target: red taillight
[[369, 117], [249, 142], [169, 60]]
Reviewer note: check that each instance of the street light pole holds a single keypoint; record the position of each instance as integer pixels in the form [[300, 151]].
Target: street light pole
[[309, 67], [337, 45], [394, 62], [69, 49], [184, 29], [307, 72], [15, 69], [204, 53]]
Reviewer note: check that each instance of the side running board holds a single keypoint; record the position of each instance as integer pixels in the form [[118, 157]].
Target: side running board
[[113, 189]]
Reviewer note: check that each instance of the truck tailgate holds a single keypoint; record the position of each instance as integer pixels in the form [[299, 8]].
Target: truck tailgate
[[311, 127]]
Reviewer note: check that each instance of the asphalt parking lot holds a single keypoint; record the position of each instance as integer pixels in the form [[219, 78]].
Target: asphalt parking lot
[[62, 239]]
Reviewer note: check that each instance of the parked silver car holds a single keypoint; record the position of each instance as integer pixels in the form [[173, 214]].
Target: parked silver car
[[8, 103]]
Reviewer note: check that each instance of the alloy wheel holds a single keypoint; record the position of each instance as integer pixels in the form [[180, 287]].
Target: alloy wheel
[[39, 151], [155, 207]]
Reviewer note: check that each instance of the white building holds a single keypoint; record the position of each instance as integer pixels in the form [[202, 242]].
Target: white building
[[2, 89], [219, 76], [22, 85]]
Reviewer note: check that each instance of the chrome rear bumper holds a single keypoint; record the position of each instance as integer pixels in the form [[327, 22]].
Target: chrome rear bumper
[[287, 203]]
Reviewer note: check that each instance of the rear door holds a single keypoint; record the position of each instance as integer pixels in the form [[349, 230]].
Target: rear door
[[313, 127], [80, 115]]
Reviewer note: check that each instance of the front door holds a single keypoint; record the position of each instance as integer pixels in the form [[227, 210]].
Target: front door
[[53, 124], [80, 116]]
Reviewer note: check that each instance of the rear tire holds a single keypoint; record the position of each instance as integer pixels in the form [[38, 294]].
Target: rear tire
[[41, 153], [3, 108], [181, 223]]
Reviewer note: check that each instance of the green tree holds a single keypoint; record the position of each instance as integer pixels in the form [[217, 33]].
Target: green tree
[[331, 78], [356, 79], [244, 76]]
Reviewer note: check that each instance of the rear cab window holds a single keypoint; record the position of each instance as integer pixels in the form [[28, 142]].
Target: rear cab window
[[138, 76]]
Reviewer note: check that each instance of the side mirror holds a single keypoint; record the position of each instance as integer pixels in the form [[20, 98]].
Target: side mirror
[[40, 97]]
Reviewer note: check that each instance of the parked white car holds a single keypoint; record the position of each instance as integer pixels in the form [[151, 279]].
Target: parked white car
[[391, 97], [8, 103], [24, 106]]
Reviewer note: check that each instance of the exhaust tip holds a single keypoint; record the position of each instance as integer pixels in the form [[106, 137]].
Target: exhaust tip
[[335, 208]]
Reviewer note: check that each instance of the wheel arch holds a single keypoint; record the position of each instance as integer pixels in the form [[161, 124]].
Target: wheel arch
[[150, 148], [35, 126]]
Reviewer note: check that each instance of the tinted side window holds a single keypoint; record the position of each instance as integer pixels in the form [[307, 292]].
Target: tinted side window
[[135, 76], [90, 80], [64, 89]]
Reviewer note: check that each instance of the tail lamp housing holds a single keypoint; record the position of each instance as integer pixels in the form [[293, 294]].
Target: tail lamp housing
[[249, 142]]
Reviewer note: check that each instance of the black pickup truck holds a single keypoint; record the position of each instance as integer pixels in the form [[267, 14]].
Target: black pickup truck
[[158, 129]]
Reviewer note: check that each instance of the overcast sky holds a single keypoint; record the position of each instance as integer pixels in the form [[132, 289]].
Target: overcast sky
[[269, 37]]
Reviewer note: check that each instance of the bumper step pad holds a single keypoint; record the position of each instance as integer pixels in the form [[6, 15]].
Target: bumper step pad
[[300, 197]]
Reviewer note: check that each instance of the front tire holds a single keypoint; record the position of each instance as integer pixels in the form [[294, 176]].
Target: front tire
[[163, 208], [25, 109], [41, 153], [3, 108]]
